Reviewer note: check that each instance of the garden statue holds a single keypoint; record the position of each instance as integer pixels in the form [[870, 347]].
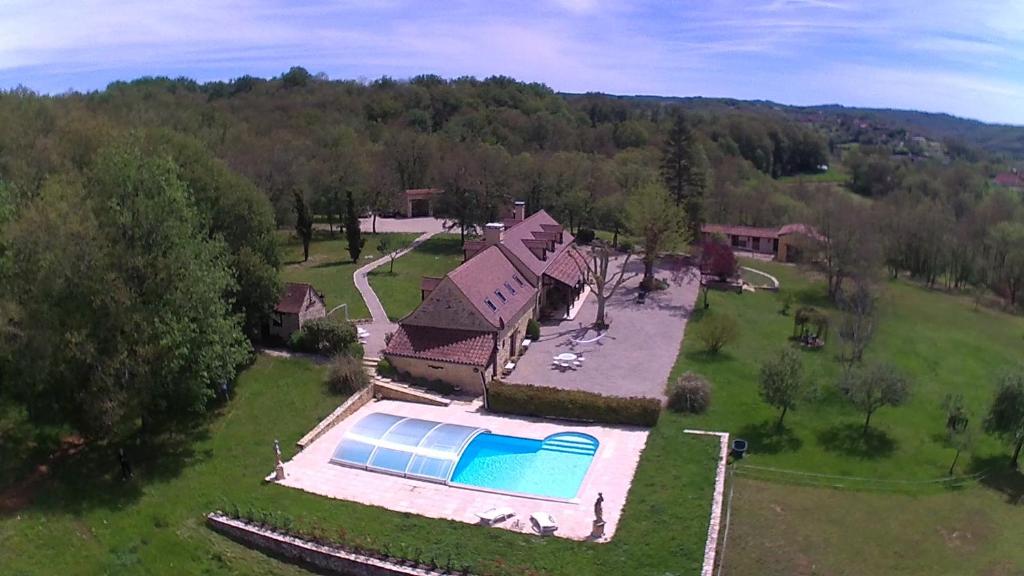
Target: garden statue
[[599, 508], [279, 467]]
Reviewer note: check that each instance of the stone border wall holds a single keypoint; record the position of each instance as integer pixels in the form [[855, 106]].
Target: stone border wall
[[711, 546], [355, 402], [395, 391], [308, 554]]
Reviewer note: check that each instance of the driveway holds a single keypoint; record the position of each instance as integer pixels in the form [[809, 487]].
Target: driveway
[[638, 351]]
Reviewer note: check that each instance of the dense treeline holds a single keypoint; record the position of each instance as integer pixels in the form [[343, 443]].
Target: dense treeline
[[137, 223]]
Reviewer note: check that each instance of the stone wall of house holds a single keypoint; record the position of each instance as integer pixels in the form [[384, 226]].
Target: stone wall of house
[[289, 324], [519, 328], [447, 307], [468, 378], [323, 559], [312, 309], [394, 391]]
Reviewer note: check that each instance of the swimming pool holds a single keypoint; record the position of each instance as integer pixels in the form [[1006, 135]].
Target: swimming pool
[[466, 456], [552, 468]]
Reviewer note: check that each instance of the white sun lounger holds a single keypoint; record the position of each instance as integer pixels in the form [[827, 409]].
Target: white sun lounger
[[495, 515], [543, 523]]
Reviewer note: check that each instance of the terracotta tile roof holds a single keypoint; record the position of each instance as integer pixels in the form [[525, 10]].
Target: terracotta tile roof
[[565, 268], [294, 297], [483, 277], [1011, 179], [421, 193], [740, 230], [473, 247], [802, 229], [518, 239], [442, 345], [428, 283]]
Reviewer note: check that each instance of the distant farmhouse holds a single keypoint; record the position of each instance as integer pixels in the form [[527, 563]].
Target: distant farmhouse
[[299, 304], [420, 202], [474, 319], [785, 244], [1011, 179]]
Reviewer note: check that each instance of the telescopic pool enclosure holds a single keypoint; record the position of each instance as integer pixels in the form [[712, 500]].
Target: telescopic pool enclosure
[[410, 447]]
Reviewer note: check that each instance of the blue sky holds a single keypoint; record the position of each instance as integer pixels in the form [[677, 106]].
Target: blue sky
[[964, 58]]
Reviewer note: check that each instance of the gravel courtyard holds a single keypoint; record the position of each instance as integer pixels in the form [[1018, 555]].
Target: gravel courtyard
[[635, 356]]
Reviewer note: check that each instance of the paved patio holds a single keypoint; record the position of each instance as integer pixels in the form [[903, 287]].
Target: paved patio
[[610, 473], [635, 356]]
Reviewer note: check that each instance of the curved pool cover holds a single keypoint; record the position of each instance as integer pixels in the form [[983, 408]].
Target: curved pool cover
[[468, 456], [404, 446]]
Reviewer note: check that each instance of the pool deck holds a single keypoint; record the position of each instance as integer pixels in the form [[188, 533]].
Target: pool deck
[[611, 472]]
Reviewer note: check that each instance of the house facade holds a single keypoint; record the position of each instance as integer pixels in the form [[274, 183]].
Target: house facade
[[473, 321], [420, 202], [785, 244], [299, 304]]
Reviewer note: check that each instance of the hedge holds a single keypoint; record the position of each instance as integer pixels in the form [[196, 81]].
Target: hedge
[[544, 401], [328, 337]]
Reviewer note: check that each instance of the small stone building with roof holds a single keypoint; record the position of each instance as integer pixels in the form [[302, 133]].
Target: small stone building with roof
[[299, 303], [785, 244], [473, 320]]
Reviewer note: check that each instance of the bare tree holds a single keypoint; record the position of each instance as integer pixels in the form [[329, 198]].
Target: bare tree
[[596, 273], [847, 246], [859, 320]]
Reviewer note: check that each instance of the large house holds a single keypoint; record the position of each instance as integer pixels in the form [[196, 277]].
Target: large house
[[785, 244], [472, 321], [299, 303]]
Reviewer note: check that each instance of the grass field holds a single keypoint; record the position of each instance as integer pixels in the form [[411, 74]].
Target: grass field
[[84, 521], [329, 268], [784, 530], [940, 341], [399, 291]]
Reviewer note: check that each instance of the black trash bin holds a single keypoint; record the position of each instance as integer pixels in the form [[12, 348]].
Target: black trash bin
[[739, 448]]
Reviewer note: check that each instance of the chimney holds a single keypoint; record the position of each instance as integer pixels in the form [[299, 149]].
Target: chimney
[[519, 211], [493, 233]]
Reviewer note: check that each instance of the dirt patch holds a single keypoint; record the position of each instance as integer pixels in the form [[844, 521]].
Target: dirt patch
[[19, 495]]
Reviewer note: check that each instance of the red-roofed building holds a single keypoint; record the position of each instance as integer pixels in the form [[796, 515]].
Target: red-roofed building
[[299, 303], [785, 244], [419, 202], [523, 268], [1011, 179]]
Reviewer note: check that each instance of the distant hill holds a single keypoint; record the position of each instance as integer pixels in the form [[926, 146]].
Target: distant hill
[[996, 139]]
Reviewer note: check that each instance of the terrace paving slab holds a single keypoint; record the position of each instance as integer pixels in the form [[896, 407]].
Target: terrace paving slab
[[637, 353], [611, 472]]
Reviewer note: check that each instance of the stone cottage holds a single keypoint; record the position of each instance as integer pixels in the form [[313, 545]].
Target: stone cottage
[[299, 304], [472, 321]]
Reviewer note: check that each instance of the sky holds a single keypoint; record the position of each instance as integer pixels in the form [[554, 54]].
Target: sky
[[964, 58]]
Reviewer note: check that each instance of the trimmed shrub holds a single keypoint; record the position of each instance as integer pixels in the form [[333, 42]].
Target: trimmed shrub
[[528, 400], [691, 393], [584, 236], [326, 336], [533, 330], [717, 331], [346, 375], [385, 369]]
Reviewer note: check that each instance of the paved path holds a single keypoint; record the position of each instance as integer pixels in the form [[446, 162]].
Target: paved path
[[380, 324]]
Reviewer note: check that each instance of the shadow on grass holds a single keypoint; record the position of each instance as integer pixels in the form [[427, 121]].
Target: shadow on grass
[[332, 264], [706, 357], [851, 439], [766, 438], [91, 478], [999, 476], [441, 246]]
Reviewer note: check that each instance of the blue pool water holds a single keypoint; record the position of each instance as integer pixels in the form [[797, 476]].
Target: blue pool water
[[553, 467]]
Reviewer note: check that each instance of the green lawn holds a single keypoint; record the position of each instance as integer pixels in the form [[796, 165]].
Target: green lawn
[[399, 290], [84, 521], [942, 342], [329, 268], [783, 530]]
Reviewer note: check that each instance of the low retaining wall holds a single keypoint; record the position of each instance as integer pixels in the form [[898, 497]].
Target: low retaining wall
[[392, 391], [711, 546], [355, 402], [773, 282], [322, 558]]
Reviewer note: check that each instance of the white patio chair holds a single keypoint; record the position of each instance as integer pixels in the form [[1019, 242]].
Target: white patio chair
[[495, 515], [543, 523]]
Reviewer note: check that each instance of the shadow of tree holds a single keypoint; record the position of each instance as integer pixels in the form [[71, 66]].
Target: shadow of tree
[[999, 476], [851, 439], [331, 264], [766, 438]]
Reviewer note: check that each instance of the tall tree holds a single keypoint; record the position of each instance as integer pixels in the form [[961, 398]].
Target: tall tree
[[686, 171], [857, 327], [128, 297], [352, 232], [1006, 415], [658, 222], [597, 273], [303, 223]]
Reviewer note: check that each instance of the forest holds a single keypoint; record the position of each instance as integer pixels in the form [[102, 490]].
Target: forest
[[137, 223]]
